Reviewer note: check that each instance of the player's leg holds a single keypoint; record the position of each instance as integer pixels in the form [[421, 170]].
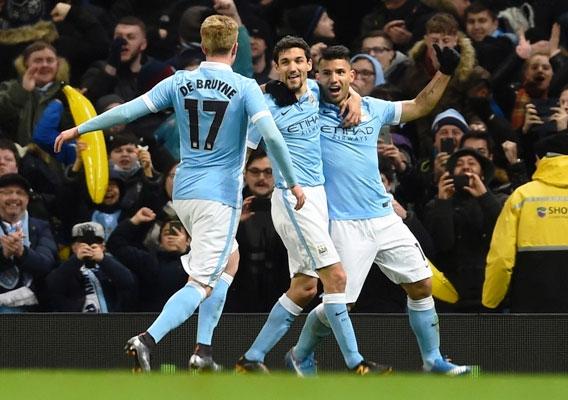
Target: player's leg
[[213, 235], [302, 290], [404, 263], [210, 311]]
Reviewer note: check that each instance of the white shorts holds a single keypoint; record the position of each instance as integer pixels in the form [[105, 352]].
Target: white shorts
[[212, 227], [385, 241], [304, 232]]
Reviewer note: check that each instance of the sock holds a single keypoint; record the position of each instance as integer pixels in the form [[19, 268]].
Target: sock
[[279, 320], [314, 330], [177, 310], [336, 312], [424, 323], [211, 308]]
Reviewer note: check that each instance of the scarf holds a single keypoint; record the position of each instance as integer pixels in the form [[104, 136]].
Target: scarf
[[10, 278], [95, 301]]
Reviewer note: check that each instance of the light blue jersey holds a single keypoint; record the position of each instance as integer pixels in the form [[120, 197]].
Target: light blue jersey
[[350, 163], [299, 125], [212, 106]]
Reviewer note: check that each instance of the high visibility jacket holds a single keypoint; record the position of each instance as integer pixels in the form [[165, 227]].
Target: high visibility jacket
[[529, 247]]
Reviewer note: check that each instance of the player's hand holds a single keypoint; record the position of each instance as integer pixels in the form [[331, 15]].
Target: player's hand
[[399, 210], [298, 193], [350, 109], [282, 95], [246, 211], [448, 58], [143, 215], [65, 136]]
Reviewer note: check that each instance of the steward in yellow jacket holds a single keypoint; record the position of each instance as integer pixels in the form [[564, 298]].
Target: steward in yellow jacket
[[528, 256]]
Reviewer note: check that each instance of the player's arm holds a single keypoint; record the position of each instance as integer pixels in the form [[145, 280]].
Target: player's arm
[[427, 99], [121, 114]]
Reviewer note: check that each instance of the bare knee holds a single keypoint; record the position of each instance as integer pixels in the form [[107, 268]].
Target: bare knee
[[302, 289], [233, 263], [418, 290], [333, 278]]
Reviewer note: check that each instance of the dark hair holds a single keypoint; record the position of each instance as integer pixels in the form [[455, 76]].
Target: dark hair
[[479, 135], [7, 144], [376, 33], [255, 155], [290, 42], [386, 167], [479, 7], [37, 46], [336, 53], [442, 23], [132, 20], [387, 91]]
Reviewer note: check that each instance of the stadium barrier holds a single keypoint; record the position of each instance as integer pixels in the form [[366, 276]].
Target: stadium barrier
[[497, 343]]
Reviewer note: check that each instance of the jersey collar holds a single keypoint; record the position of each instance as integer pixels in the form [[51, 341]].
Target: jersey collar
[[215, 65]]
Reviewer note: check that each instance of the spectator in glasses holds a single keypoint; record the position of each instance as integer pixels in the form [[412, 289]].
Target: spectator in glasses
[[378, 44], [368, 74]]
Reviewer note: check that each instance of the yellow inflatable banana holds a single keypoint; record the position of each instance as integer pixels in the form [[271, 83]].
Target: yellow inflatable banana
[[95, 161], [442, 288]]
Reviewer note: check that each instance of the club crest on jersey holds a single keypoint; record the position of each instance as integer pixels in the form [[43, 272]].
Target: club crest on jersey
[[322, 249]]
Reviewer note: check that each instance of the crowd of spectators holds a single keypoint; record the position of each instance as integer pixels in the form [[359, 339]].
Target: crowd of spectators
[[450, 173]]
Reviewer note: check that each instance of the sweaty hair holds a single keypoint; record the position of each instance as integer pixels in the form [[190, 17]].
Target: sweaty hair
[[479, 7], [218, 34], [336, 53], [131, 20], [256, 154], [37, 46], [290, 42], [443, 23]]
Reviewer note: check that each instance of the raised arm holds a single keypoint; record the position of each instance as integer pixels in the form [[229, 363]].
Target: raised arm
[[427, 99]]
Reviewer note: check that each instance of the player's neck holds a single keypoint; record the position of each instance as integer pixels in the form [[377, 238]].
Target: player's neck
[[224, 59]]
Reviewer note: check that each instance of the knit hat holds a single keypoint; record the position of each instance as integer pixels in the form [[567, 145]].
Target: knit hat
[[303, 20], [15, 180], [379, 76], [486, 165], [258, 28], [25, 12], [554, 144], [190, 23], [105, 101], [450, 117], [88, 232]]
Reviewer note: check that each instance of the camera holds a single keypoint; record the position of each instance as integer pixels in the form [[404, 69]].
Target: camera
[[447, 145], [260, 204], [175, 224], [460, 181]]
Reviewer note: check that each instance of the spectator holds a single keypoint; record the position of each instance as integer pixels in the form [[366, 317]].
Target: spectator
[[368, 74], [22, 102], [159, 272], [393, 62], [28, 250], [127, 71], [528, 257], [261, 48], [91, 280], [461, 220], [310, 22], [263, 268]]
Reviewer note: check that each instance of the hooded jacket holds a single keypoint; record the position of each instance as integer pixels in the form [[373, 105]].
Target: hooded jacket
[[379, 76], [529, 248]]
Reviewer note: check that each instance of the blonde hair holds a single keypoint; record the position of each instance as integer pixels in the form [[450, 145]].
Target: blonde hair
[[218, 34]]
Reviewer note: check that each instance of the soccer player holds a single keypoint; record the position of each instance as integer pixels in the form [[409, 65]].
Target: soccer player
[[363, 226], [294, 103], [212, 106]]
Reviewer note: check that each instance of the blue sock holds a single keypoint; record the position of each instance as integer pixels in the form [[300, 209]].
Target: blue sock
[[177, 310], [211, 308], [279, 320], [424, 323], [313, 331], [338, 317]]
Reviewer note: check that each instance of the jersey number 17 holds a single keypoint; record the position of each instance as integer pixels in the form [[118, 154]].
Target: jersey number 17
[[215, 106]]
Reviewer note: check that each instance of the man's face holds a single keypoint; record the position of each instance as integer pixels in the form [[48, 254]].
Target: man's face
[[564, 100], [335, 77], [8, 164], [124, 156], [364, 81], [293, 67], [324, 28], [445, 132], [135, 41], [46, 63], [479, 26], [257, 47], [379, 48], [170, 242], [169, 183], [112, 194], [13, 202], [442, 40], [468, 164], [538, 72], [259, 179], [480, 145]]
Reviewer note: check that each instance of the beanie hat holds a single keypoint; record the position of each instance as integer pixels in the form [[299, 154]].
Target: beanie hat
[[450, 117], [555, 144], [303, 20]]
